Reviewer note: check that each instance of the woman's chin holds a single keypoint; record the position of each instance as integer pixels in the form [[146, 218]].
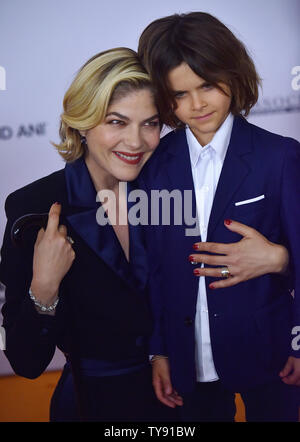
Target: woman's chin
[[128, 175]]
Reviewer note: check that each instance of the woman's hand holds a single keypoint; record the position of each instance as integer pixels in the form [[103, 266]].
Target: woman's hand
[[53, 257], [248, 258]]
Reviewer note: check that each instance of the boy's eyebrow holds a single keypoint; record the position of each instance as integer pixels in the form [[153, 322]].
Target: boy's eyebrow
[[203, 83], [127, 118], [177, 91]]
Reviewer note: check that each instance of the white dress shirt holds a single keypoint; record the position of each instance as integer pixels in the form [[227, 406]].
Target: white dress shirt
[[207, 162]]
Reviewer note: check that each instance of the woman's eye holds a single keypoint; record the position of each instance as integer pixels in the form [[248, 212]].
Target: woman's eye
[[116, 122], [152, 123]]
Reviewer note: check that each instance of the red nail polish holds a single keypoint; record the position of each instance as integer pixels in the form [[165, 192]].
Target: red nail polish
[[211, 286], [195, 247], [191, 258], [228, 221], [196, 272]]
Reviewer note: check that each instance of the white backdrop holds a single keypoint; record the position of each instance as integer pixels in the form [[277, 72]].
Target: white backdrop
[[43, 43]]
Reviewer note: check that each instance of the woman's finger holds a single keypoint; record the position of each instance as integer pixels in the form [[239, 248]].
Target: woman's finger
[[223, 283], [213, 247], [53, 218], [40, 236], [214, 260], [211, 271], [241, 229], [62, 230]]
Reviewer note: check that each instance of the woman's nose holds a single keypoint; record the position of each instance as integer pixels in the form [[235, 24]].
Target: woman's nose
[[133, 138]]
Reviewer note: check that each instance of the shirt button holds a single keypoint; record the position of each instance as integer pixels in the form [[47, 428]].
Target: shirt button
[[188, 321]]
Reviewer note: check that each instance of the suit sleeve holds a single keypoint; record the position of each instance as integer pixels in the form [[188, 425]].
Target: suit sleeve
[[30, 336], [290, 219]]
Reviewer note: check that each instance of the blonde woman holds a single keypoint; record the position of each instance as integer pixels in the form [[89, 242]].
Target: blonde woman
[[84, 297]]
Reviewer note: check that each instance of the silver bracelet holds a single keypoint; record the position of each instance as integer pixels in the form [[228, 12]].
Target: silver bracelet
[[41, 306]]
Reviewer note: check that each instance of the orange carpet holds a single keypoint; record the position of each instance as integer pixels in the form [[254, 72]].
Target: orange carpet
[[25, 400]]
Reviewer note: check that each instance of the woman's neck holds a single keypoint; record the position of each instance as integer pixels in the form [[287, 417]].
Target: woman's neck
[[102, 181]]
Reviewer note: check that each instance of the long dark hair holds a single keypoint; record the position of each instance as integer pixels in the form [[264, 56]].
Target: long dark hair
[[209, 48]]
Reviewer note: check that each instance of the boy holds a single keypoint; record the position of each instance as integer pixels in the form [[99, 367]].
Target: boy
[[239, 337]]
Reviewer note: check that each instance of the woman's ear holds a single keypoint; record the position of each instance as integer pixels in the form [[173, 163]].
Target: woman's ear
[[83, 133]]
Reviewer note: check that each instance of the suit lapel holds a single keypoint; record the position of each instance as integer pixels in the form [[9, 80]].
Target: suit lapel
[[137, 252], [178, 168], [101, 239], [234, 171]]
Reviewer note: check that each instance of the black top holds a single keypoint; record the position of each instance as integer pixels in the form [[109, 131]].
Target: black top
[[103, 311]]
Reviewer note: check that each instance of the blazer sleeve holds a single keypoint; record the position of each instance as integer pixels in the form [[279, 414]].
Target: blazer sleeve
[[30, 336], [290, 219]]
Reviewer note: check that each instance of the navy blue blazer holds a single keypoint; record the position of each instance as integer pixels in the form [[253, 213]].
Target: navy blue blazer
[[251, 323], [103, 311]]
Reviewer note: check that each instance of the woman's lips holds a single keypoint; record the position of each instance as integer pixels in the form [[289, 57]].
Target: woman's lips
[[129, 158]]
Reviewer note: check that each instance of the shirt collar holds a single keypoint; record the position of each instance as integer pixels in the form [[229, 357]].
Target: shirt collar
[[219, 142]]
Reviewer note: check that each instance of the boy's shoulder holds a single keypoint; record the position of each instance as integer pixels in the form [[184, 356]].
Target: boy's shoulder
[[268, 138]]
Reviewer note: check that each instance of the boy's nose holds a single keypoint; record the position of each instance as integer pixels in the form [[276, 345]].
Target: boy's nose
[[198, 102]]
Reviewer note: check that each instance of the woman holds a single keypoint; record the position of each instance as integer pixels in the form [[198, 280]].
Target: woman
[[87, 282], [109, 129]]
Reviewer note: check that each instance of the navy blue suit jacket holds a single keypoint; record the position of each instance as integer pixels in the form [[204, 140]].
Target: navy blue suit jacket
[[251, 323]]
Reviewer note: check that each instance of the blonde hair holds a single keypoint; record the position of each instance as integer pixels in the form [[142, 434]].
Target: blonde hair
[[103, 78]]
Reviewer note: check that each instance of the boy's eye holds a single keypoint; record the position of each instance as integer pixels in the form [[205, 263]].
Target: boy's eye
[[207, 86], [179, 94]]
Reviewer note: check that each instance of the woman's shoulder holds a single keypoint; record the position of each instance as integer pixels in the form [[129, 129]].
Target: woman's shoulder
[[37, 195]]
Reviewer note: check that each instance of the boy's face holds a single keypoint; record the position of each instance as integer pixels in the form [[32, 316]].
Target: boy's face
[[201, 106]]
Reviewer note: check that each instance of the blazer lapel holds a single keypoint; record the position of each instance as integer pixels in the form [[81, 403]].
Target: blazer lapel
[[137, 248], [179, 171], [101, 239], [234, 171]]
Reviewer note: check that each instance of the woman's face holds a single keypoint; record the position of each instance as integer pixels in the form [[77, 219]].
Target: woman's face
[[118, 148]]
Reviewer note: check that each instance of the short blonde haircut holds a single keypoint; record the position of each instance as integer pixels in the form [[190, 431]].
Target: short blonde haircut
[[104, 77]]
